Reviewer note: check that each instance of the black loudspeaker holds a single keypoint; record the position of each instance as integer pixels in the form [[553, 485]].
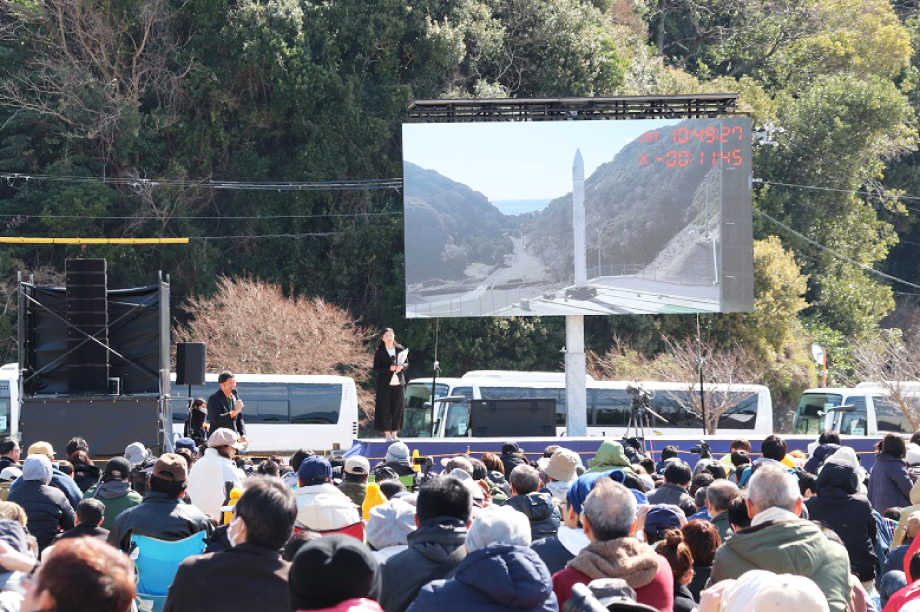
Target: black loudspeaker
[[87, 314], [505, 418], [191, 363]]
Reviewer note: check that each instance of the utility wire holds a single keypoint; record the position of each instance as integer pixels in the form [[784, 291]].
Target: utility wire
[[835, 253], [203, 218], [349, 185], [833, 190]]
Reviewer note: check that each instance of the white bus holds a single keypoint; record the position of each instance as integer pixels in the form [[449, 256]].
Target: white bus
[[284, 413], [864, 410], [9, 400], [608, 406]]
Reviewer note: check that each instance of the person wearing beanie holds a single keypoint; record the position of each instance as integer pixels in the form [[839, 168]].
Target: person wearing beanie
[[511, 457], [373, 498], [389, 526], [763, 591], [213, 476], [46, 507], [398, 459], [320, 505], [335, 573], [250, 575], [114, 490], [500, 571]]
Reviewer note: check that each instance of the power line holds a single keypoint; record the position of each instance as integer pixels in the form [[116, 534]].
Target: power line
[[835, 253], [203, 218], [834, 190], [347, 185]]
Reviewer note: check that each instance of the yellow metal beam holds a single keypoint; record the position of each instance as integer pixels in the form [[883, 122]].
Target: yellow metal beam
[[24, 240]]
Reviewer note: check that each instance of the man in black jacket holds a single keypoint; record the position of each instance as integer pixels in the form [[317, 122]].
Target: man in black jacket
[[47, 508], [9, 453], [161, 515], [539, 508], [225, 409], [435, 549], [251, 575]]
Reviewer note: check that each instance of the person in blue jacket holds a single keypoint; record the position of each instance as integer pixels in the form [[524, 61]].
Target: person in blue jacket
[[500, 573]]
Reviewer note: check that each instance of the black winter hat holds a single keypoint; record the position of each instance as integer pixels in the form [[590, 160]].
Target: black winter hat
[[117, 468], [331, 569]]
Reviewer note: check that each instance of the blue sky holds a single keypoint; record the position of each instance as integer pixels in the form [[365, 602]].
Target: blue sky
[[519, 160]]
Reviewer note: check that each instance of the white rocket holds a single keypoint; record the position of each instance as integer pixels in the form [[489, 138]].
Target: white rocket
[[578, 219]]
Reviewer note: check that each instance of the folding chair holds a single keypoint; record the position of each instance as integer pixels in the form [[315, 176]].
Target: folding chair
[[156, 562]]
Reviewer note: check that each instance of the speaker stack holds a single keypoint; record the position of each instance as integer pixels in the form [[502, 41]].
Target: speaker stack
[[87, 315], [191, 363]]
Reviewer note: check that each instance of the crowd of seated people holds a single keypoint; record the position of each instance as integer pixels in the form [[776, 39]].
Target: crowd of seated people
[[757, 529]]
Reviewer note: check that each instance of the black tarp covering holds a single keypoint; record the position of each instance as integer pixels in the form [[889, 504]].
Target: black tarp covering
[[109, 424], [134, 332]]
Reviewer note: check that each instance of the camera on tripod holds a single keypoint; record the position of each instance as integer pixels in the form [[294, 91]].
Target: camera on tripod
[[702, 449], [641, 395]]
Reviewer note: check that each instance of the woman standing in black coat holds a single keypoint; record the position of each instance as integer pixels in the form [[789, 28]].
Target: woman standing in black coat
[[388, 411]]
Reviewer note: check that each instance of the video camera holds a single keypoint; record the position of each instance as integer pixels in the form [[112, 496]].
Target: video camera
[[702, 449], [640, 394]]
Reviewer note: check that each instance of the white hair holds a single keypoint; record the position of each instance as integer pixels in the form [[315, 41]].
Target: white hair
[[773, 486]]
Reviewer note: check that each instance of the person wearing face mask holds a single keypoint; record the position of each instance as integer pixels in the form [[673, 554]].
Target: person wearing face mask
[[263, 521]]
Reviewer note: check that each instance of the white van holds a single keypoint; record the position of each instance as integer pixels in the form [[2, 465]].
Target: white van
[[864, 410]]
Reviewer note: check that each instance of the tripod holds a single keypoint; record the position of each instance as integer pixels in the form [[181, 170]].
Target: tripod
[[639, 420]]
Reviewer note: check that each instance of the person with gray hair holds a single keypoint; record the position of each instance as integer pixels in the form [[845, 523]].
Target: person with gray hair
[[781, 542], [719, 496], [538, 506], [609, 519], [500, 571]]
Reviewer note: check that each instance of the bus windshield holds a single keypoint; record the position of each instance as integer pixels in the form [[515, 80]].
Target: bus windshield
[[417, 415], [809, 416]]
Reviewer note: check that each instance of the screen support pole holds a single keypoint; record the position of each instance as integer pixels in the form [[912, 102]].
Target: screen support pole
[[575, 386]]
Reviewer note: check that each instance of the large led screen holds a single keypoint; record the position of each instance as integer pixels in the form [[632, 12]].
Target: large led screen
[[648, 216]]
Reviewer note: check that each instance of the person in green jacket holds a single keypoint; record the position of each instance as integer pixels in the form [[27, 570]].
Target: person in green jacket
[[114, 490], [610, 456], [780, 542]]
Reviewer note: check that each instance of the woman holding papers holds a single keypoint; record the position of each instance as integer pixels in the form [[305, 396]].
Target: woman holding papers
[[389, 362]]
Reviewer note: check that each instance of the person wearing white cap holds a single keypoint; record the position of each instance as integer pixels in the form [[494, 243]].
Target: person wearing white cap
[[763, 591], [354, 483], [398, 460], [212, 476]]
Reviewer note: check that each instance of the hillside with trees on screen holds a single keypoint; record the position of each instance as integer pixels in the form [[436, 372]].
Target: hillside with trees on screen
[[635, 209], [453, 227]]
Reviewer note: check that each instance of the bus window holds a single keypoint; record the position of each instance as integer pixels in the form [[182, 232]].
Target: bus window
[[266, 411], [458, 419], [807, 419], [889, 417], [742, 414], [853, 422], [264, 402], [611, 407], [4, 416], [500, 393], [315, 403], [671, 406]]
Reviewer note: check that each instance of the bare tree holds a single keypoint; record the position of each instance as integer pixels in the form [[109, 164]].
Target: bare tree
[[620, 362], [892, 364], [733, 367], [251, 326]]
